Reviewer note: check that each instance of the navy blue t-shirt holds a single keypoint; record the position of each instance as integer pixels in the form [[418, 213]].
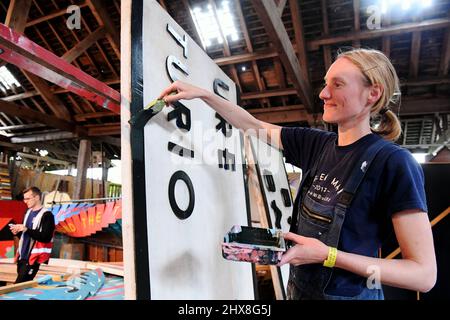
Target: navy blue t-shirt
[[25, 252], [395, 185]]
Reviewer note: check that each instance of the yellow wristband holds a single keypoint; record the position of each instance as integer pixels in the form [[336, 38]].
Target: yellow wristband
[[331, 259]]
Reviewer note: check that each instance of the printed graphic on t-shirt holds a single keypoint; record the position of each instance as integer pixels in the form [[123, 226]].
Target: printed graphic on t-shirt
[[325, 188]]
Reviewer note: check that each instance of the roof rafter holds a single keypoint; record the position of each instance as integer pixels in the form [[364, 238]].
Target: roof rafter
[[267, 12]]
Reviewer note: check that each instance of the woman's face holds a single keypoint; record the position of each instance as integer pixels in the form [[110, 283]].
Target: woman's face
[[345, 96]]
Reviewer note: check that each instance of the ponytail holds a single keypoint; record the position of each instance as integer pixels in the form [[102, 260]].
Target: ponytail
[[389, 126]]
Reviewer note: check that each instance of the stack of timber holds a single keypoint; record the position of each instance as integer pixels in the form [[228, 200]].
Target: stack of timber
[[65, 279], [5, 182]]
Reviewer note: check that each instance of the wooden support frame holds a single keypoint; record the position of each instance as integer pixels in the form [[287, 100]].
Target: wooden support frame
[[84, 155], [19, 50], [388, 31], [267, 12], [99, 10]]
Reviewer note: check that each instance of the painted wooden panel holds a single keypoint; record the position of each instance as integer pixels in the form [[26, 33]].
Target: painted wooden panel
[[275, 188], [194, 180]]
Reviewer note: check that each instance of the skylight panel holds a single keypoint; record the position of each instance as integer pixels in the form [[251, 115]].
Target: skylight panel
[[7, 80], [209, 29]]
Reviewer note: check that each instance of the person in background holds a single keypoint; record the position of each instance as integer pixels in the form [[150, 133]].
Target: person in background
[[357, 188], [36, 236]]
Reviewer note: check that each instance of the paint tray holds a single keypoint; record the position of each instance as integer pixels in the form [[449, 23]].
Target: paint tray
[[256, 245]]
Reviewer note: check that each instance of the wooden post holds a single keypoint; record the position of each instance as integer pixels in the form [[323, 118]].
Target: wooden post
[[84, 155], [257, 201]]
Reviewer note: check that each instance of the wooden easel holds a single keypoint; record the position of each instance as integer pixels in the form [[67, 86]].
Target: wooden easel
[[258, 209]]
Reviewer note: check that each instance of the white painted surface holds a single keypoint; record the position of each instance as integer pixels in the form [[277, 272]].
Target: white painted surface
[[185, 257], [271, 159]]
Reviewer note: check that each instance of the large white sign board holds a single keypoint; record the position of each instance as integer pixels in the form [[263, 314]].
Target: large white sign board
[[194, 189], [276, 192]]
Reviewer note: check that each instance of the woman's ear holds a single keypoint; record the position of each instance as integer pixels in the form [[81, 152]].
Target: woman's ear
[[375, 92]]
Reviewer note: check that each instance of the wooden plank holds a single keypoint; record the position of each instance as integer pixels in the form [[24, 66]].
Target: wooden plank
[[52, 15], [420, 106], [445, 57], [267, 12], [19, 50], [84, 155], [356, 22], [84, 44], [13, 109], [249, 45], [268, 93], [55, 104], [415, 54], [16, 19], [388, 31], [95, 135], [258, 200], [245, 57], [127, 203], [17, 14], [93, 115], [284, 115], [23, 126], [300, 40], [100, 12], [327, 59]]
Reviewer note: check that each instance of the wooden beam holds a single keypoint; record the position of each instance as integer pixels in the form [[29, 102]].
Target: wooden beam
[[21, 96], [100, 12], [103, 129], [34, 93], [425, 81], [445, 57], [84, 156], [388, 31], [268, 93], [280, 115], [52, 15], [267, 12], [52, 149], [54, 103], [16, 17], [420, 106], [300, 40], [249, 45], [12, 109], [54, 136], [245, 57], [356, 22], [19, 50], [23, 126], [327, 59], [93, 115], [84, 44], [415, 55]]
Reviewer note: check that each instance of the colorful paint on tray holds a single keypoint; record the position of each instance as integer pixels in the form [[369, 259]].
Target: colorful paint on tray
[[256, 245]]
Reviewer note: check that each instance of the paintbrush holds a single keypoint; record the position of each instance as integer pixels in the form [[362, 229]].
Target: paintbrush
[[140, 119]]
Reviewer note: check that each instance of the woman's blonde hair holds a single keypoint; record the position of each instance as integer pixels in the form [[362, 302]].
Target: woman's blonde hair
[[377, 69]]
